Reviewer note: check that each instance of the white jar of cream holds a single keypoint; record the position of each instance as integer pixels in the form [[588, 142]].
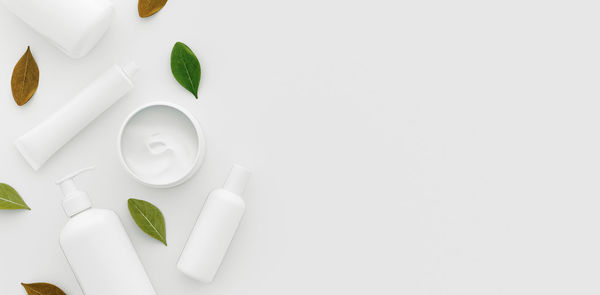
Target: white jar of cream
[[161, 145]]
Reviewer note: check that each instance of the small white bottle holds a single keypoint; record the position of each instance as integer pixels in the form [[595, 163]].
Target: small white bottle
[[41, 142], [215, 228], [97, 247], [74, 26]]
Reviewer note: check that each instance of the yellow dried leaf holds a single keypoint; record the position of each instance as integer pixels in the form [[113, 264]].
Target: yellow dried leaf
[[25, 78], [147, 8], [42, 289]]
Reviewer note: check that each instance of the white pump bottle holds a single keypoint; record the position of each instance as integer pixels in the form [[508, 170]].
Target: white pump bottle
[[97, 247]]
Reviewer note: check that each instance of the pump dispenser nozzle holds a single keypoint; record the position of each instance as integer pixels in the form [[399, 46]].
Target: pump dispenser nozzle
[[75, 200]]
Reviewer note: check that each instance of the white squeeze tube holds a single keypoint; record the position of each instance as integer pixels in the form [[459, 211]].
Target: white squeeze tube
[[74, 26], [39, 144]]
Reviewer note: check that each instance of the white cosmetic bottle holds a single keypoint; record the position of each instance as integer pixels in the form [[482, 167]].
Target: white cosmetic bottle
[[215, 228], [97, 247], [74, 26], [40, 143]]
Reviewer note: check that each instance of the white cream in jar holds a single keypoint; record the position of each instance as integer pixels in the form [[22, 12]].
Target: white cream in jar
[[161, 144]]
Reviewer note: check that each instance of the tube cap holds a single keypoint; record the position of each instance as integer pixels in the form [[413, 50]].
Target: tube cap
[[75, 200], [237, 180], [130, 69]]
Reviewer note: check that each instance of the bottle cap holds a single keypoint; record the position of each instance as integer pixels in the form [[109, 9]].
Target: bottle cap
[[75, 200], [130, 69], [237, 180]]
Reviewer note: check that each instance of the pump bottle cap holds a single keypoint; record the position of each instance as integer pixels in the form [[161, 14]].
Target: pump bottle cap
[[75, 200], [236, 182]]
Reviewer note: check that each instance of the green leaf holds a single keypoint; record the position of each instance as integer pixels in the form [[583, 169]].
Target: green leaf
[[10, 199], [42, 289], [186, 67], [148, 218]]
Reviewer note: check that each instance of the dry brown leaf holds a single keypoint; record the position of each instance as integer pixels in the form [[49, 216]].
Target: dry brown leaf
[[25, 78], [42, 289], [147, 8]]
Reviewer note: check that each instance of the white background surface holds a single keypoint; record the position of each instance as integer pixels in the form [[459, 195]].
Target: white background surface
[[398, 147]]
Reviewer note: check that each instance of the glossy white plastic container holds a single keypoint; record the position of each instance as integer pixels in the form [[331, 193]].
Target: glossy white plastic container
[[74, 26], [215, 228], [40, 143], [98, 249], [162, 113]]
